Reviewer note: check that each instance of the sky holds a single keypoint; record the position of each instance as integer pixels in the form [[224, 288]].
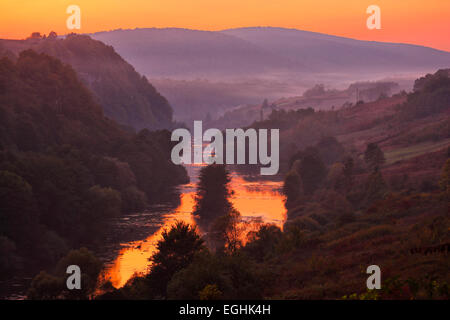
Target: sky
[[422, 22]]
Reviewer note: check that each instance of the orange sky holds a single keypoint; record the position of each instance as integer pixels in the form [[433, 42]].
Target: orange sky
[[424, 22]]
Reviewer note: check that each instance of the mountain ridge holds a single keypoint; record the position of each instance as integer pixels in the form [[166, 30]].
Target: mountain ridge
[[261, 51], [332, 36]]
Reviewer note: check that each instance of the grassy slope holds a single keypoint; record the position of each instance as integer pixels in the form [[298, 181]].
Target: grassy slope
[[334, 264]]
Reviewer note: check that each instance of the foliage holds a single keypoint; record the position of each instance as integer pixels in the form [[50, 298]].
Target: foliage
[[263, 242], [45, 287], [210, 292], [125, 96], [431, 95], [373, 156], [233, 276], [212, 197], [175, 251], [65, 169], [291, 187], [312, 172], [90, 268], [375, 187], [227, 231], [18, 214]]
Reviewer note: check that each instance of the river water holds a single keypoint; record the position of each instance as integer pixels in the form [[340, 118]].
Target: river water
[[256, 200], [132, 239]]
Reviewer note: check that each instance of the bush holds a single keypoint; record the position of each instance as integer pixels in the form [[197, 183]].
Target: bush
[[233, 276], [90, 268], [45, 287], [210, 292]]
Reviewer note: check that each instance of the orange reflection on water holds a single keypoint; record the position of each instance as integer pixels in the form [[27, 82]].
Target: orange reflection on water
[[252, 199], [259, 200], [133, 259]]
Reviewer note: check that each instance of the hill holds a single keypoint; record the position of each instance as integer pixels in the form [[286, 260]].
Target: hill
[[210, 72], [66, 169], [174, 52], [327, 53], [125, 96], [264, 51], [404, 125]]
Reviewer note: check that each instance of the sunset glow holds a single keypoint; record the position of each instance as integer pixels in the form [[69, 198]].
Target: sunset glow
[[251, 199], [417, 22]]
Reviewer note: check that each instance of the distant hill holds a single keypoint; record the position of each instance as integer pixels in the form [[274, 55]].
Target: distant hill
[[405, 125], [318, 97], [206, 73], [176, 52], [325, 53], [125, 96]]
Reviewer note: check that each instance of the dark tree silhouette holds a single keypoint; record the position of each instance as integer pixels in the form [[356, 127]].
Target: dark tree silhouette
[[226, 231], [291, 187], [312, 172], [175, 251], [212, 198], [373, 156], [347, 172], [375, 187]]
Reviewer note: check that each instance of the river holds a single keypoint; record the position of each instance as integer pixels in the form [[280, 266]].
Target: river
[[255, 199], [132, 238]]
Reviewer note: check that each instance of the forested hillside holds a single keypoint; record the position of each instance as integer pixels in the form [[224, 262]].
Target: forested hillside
[[66, 169], [125, 96], [397, 123]]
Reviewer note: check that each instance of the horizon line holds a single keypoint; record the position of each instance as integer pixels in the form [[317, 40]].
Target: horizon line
[[248, 27]]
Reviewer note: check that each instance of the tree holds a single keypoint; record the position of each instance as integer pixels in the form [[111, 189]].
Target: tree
[[317, 90], [210, 292], [45, 287], [233, 275], [335, 176], [35, 35], [347, 171], [60, 157], [263, 242], [175, 251], [292, 187], [90, 268], [212, 198], [52, 35], [312, 172], [18, 214], [133, 199], [227, 231], [375, 187], [330, 150], [373, 156], [101, 205]]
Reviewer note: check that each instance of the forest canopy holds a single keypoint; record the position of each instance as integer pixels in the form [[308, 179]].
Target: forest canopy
[[66, 169]]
